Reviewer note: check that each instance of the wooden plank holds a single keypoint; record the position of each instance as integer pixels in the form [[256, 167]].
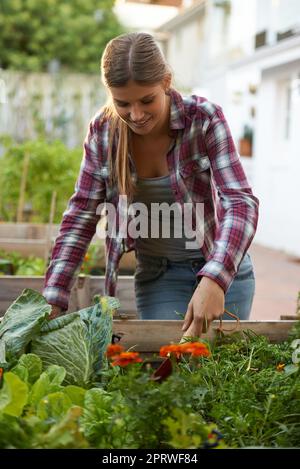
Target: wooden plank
[[82, 293], [124, 292], [12, 286], [26, 247], [37, 247], [26, 230], [149, 336]]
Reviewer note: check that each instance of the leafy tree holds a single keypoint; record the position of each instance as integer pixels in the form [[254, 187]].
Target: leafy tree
[[34, 33]]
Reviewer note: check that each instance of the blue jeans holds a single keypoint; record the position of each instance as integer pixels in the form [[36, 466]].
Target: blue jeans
[[163, 288]]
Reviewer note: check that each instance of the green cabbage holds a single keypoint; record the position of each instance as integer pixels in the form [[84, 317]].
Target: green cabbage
[[20, 324], [76, 341]]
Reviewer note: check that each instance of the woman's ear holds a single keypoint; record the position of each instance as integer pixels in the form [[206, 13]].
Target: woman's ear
[[167, 83]]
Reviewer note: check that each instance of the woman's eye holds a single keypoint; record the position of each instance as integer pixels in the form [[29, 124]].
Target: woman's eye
[[148, 101]]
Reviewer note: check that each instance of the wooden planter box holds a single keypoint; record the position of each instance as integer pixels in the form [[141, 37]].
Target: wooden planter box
[[144, 336], [148, 336], [27, 238], [83, 291], [35, 239]]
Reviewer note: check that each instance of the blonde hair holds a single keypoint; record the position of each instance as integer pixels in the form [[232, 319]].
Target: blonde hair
[[136, 57]]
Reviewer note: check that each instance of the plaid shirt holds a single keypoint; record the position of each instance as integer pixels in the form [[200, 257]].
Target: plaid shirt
[[204, 166]]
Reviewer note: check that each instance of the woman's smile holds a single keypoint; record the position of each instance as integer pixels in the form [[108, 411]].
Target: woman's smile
[[140, 124]]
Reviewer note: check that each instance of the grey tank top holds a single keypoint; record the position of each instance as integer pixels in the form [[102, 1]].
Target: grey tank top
[[169, 239]]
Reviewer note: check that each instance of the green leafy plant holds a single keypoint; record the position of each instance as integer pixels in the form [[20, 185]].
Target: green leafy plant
[[248, 134], [76, 341], [52, 167], [91, 261], [13, 263]]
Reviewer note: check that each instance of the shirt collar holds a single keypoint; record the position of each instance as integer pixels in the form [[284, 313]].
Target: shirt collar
[[177, 111]]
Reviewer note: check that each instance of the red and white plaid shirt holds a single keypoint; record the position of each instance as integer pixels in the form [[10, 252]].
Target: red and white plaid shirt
[[204, 166]]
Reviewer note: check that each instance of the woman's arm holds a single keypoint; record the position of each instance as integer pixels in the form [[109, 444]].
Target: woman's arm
[[237, 209], [237, 221], [78, 225]]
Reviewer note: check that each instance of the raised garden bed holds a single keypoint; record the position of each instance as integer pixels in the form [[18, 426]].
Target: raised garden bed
[[82, 294], [235, 389], [36, 239]]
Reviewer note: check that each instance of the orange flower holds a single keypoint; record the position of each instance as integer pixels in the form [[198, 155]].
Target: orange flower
[[196, 349], [168, 350], [280, 366], [1, 374], [86, 258], [126, 358], [114, 349]]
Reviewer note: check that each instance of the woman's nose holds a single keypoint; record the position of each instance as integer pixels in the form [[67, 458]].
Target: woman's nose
[[136, 114]]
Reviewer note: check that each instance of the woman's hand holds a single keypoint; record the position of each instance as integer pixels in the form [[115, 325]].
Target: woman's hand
[[207, 304], [56, 311]]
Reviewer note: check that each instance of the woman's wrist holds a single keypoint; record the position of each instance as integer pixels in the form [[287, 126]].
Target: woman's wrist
[[55, 311]]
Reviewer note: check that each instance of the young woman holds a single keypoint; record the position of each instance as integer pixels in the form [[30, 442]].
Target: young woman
[[152, 145]]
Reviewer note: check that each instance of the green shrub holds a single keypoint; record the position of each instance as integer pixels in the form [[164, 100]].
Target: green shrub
[[52, 167]]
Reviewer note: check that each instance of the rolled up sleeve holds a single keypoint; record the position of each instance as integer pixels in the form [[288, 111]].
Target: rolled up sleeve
[[237, 207], [78, 224]]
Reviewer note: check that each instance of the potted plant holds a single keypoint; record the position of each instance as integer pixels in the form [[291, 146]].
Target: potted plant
[[246, 141]]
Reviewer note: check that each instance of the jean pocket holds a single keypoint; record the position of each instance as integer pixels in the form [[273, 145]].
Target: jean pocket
[[245, 269], [147, 272]]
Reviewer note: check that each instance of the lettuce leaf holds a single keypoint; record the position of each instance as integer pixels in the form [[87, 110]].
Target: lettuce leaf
[[13, 395], [20, 324], [77, 341], [78, 345]]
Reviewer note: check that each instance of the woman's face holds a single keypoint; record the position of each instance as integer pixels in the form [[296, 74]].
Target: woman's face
[[143, 108]]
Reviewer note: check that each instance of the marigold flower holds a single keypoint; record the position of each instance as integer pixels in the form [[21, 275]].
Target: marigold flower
[[114, 349], [86, 258], [1, 374], [280, 366], [126, 358], [196, 349], [173, 349]]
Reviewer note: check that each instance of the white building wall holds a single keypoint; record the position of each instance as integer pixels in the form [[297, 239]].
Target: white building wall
[[185, 53], [143, 17], [276, 16], [251, 86], [277, 165]]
